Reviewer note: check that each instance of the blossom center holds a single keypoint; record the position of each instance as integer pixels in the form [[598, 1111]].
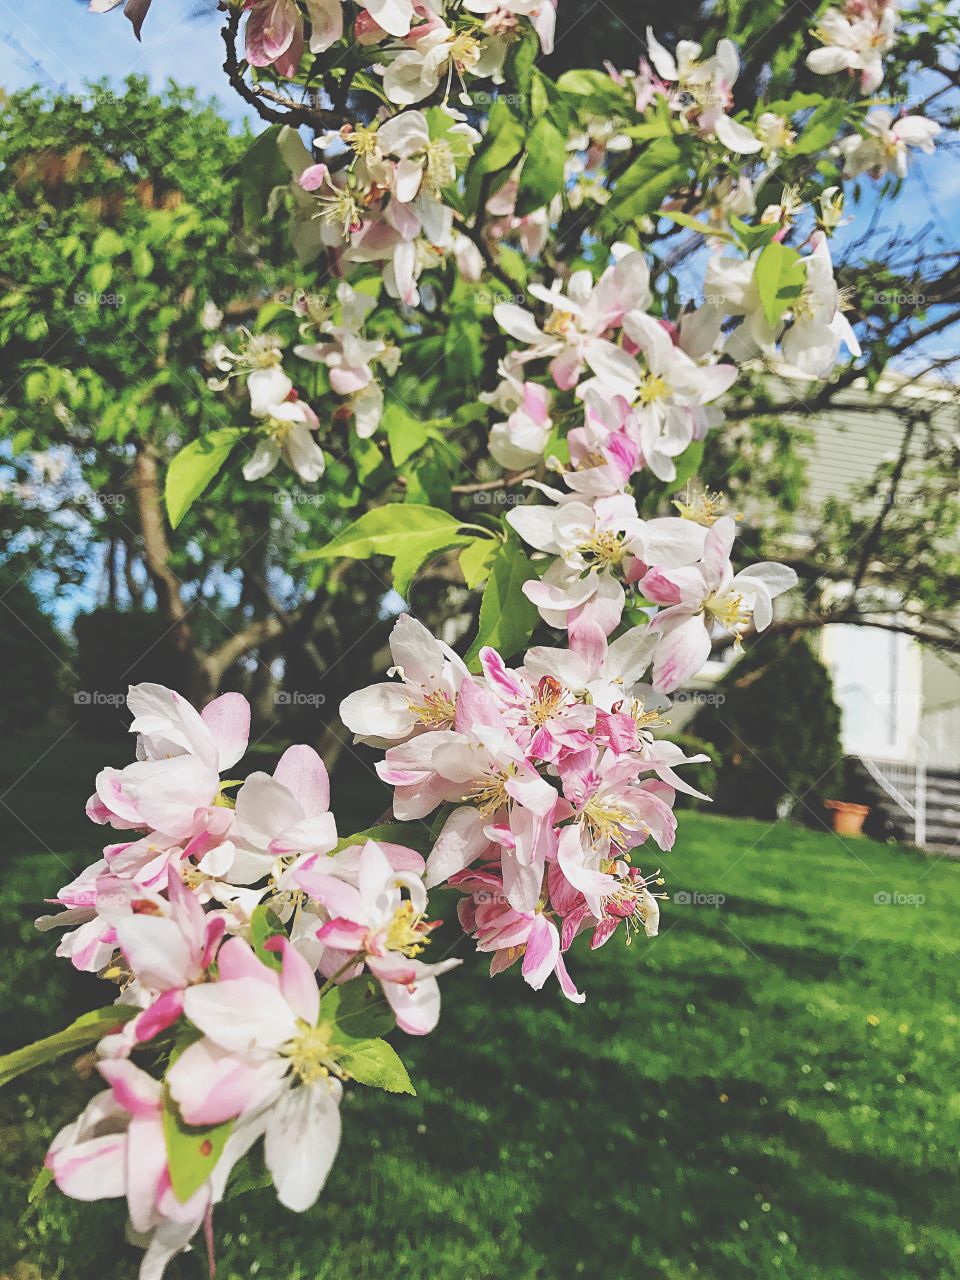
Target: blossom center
[[701, 506], [605, 548], [491, 795], [441, 168], [341, 209], [407, 932], [549, 696], [560, 324], [728, 610], [606, 821], [652, 388], [363, 140], [464, 51], [436, 711], [310, 1052]]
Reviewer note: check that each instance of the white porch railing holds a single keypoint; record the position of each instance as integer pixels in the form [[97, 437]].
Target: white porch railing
[[905, 783]]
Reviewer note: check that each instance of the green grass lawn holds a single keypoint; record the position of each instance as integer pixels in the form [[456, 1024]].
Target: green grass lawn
[[768, 1089]]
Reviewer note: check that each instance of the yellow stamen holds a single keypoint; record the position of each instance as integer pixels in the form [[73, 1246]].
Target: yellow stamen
[[436, 711], [407, 932], [652, 388], [310, 1052]]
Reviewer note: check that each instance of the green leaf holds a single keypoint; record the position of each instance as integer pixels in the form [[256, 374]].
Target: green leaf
[[261, 169], [694, 224], [142, 260], [108, 244], [542, 175], [406, 532], [441, 126], [192, 1150], [596, 86], [39, 1185], [796, 102], [428, 483], [405, 433], [476, 559], [502, 146], [36, 328], [779, 276], [409, 835], [507, 617], [687, 464], [656, 172], [264, 925], [416, 552], [86, 1030], [383, 531], [822, 127], [753, 237], [377, 1064], [101, 273], [359, 1010], [520, 65], [194, 467], [367, 456]]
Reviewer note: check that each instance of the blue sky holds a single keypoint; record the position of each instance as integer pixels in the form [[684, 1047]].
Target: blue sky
[[58, 43]]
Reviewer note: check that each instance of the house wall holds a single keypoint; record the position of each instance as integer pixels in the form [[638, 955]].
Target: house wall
[[940, 721], [878, 684]]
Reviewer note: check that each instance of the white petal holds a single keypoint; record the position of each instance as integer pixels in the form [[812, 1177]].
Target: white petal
[[302, 1138]]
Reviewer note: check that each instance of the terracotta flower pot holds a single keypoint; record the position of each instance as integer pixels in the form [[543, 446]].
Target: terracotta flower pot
[[847, 818]]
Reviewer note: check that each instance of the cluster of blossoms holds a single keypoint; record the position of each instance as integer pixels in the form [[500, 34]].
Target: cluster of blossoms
[[550, 775], [236, 929], [389, 198], [259, 957]]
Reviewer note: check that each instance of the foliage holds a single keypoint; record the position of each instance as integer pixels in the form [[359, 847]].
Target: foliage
[[777, 732]]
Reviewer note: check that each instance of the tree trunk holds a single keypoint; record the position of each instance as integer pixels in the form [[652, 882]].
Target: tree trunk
[[157, 556]]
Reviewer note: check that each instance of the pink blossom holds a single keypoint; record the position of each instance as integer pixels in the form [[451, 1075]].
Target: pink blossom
[[374, 922], [116, 1148], [700, 595], [487, 916], [265, 1058], [421, 700]]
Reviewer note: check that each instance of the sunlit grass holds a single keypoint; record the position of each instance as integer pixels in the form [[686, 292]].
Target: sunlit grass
[[769, 1088]]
